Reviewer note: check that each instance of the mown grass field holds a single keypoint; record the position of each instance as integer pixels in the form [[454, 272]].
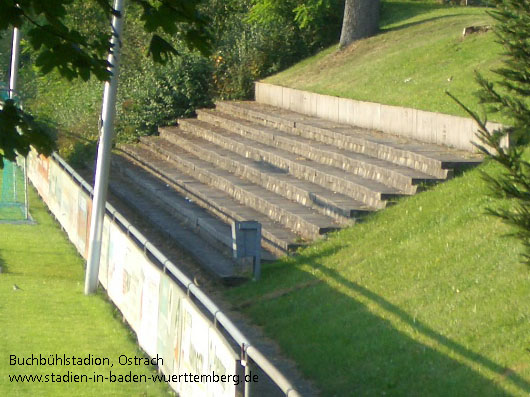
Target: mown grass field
[[51, 315], [418, 55]]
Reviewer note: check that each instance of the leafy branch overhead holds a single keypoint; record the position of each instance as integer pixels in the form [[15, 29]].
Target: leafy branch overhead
[[74, 54], [18, 131]]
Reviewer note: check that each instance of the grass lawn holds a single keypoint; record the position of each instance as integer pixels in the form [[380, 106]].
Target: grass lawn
[[426, 298], [419, 54], [11, 213], [51, 315]]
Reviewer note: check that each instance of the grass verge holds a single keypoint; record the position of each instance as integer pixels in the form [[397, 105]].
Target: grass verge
[[49, 314], [419, 54], [424, 298]]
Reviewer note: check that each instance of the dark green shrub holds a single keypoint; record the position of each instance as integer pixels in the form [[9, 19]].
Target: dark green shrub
[[159, 94], [79, 154], [250, 45]]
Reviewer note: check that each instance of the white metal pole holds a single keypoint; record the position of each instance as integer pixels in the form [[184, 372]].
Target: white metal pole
[[13, 79], [15, 55], [26, 199], [104, 152], [14, 168]]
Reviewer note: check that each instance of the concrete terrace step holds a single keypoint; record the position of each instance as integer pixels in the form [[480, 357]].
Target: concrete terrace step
[[277, 180], [128, 185], [304, 221], [275, 237], [372, 193], [178, 208], [430, 159], [183, 210], [390, 174]]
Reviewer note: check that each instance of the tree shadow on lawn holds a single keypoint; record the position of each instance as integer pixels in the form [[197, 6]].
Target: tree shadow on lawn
[[416, 23], [396, 11], [343, 346]]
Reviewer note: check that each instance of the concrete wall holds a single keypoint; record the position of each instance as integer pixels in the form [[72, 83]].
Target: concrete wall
[[430, 127], [165, 319]]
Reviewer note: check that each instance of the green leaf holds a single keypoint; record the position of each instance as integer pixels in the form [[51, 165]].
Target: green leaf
[[161, 50]]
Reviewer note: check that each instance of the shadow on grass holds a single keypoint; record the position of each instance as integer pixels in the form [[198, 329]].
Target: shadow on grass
[[3, 266], [416, 23], [395, 12], [347, 348]]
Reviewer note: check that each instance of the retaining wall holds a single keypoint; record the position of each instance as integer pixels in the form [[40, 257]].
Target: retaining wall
[[161, 312], [429, 127]]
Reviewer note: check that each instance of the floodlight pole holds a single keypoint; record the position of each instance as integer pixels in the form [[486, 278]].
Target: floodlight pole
[[104, 152], [15, 55], [13, 79]]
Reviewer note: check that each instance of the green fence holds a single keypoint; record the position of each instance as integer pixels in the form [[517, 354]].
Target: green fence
[[12, 193]]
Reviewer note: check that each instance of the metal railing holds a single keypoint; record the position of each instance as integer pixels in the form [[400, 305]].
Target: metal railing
[[249, 353]]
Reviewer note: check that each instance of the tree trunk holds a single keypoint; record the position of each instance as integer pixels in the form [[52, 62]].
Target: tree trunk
[[361, 19]]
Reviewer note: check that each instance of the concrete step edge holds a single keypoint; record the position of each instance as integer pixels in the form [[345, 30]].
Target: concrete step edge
[[294, 221], [207, 227], [365, 169], [270, 241], [320, 203], [334, 183], [355, 144], [209, 255]]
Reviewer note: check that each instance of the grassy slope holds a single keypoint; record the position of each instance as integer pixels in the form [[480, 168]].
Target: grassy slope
[[427, 297], [408, 63], [51, 314]]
